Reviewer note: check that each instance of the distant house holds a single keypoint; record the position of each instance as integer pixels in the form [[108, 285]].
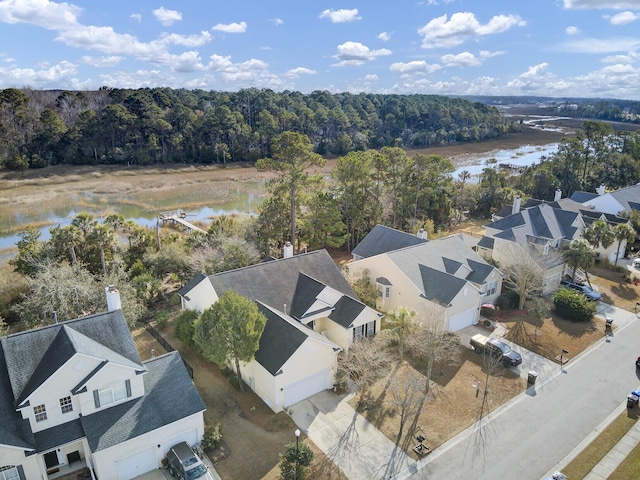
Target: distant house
[[312, 314], [76, 395], [445, 276], [614, 202]]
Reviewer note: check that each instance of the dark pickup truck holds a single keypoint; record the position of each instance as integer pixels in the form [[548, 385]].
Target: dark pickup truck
[[496, 349]]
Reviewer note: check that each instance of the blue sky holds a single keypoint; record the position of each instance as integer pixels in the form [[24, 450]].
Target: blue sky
[[576, 48]]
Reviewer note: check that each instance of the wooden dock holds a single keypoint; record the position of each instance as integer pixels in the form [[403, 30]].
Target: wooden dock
[[177, 217]]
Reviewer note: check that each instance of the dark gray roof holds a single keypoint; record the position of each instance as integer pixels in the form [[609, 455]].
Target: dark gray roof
[[169, 397], [440, 287], [541, 221], [14, 430], [383, 239], [451, 266], [279, 341], [58, 435], [383, 281], [486, 242], [275, 283], [582, 197], [307, 289], [31, 355], [479, 271], [346, 310], [191, 284]]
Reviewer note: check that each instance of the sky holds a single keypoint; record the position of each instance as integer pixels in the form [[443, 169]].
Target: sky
[[556, 48]]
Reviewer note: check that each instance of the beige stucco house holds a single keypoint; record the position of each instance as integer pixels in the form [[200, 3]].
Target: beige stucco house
[[76, 395], [444, 276], [312, 314]]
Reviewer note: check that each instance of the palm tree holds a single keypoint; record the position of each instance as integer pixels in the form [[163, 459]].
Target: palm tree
[[579, 254], [105, 238], [600, 234], [622, 232], [403, 323]]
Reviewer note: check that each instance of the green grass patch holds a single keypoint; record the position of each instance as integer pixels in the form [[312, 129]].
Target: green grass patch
[[601, 445]]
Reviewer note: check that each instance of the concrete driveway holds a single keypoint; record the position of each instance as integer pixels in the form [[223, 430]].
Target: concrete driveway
[[359, 449]]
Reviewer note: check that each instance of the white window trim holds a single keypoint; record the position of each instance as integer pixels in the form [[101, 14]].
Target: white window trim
[[67, 406], [5, 471], [40, 416]]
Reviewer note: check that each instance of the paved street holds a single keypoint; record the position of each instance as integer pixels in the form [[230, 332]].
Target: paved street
[[527, 437]]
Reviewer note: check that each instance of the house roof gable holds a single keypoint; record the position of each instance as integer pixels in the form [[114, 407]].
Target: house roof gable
[[346, 310], [440, 287], [383, 239]]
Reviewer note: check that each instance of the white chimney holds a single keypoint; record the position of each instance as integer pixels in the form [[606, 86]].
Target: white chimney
[[601, 189], [113, 298], [558, 195], [516, 205], [288, 250], [421, 234]]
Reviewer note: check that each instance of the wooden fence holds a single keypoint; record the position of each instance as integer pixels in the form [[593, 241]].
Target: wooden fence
[[166, 345]]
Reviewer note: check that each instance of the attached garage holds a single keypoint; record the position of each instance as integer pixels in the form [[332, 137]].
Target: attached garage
[[191, 437], [134, 465], [306, 387], [462, 320]]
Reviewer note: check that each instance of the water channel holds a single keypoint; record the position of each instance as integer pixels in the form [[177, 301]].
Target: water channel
[[244, 200]]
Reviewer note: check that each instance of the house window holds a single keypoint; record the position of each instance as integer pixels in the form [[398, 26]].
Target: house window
[[371, 329], [111, 394], [363, 331], [40, 412], [65, 405], [9, 472], [384, 291], [491, 288]]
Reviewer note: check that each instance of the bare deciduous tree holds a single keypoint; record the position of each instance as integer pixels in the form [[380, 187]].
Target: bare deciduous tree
[[407, 391]]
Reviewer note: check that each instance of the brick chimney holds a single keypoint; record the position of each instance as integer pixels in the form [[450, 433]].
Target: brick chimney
[[113, 298], [288, 250]]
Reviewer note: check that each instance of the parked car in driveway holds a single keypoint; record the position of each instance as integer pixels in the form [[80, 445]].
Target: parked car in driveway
[[185, 464], [586, 290], [496, 349]]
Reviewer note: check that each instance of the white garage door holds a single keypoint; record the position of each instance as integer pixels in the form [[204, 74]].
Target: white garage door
[[464, 319], [306, 387], [141, 462]]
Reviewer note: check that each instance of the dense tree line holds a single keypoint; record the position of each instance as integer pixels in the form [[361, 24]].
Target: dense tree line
[[163, 125]]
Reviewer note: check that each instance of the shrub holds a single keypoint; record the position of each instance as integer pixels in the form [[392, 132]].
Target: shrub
[[487, 312], [295, 460], [508, 300], [162, 319], [183, 326], [573, 305], [212, 436]]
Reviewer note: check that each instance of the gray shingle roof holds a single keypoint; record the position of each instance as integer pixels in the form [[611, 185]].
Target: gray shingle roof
[[307, 289], [486, 242], [275, 283], [541, 221], [31, 355], [440, 287], [191, 284], [346, 310], [628, 197], [169, 397], [383, 239], [279, 341], [58, 435], [14, 430], [582, 197]]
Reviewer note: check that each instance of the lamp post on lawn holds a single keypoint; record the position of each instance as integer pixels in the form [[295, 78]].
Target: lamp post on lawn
[[297, 433]]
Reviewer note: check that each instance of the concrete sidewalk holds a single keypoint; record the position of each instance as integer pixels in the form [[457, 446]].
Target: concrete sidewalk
[[358, 448], [618, 453]]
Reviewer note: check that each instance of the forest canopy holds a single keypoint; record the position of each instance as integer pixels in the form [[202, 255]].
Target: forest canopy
[[110, 126]]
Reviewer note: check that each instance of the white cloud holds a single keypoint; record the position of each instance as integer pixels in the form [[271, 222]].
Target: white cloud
[[341, 16], [384, 36], [296, 72], [630, 57], [600, 45], [355, 54], [52, 77], [464, 59], [102, 62], [445, 32], [231, 27], [167, 17], [416, 66], [571, 30], [276, 21], [137, 17], [601, 4], [49, 15], [622, 18], [190, 41]]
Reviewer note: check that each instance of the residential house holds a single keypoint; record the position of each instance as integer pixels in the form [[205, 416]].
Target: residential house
[[614, 202], [76, 395], [539, 232], [443, 276], [309, 306]]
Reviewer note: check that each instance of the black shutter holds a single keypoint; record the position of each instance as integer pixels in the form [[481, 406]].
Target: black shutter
[[127, 385], [96, 398], [21, 473]]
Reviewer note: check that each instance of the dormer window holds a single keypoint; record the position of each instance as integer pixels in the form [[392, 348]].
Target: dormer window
[[112, 394], [40, 412]]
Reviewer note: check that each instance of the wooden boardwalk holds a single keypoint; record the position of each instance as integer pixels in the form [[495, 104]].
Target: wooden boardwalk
[[178, 217]]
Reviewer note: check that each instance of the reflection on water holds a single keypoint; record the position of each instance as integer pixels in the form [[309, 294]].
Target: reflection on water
[[200, 204]]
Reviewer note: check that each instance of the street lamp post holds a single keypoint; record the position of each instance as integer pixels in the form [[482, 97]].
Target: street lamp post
[[297, 433]]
